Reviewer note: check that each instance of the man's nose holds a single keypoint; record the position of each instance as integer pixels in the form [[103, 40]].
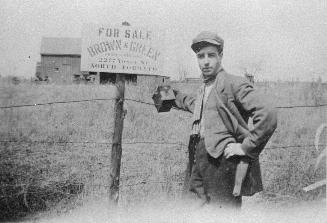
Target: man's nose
[[206, 60]]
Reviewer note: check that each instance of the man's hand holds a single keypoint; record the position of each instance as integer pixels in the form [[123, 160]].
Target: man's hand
[[233, 149]]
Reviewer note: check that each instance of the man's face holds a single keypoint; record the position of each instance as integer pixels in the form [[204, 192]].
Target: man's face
[[209, 60]]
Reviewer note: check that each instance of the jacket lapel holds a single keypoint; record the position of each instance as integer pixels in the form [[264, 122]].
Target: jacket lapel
[[226, 115], [228, 111], [218, 84], [220, 79]]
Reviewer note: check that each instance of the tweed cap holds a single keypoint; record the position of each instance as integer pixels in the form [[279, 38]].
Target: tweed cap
[[205, 37]]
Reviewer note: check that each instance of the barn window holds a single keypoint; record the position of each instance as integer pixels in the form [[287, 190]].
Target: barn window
[[56, 69]]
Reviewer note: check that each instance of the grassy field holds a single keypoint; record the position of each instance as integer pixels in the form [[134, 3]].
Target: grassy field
[[56, 157]]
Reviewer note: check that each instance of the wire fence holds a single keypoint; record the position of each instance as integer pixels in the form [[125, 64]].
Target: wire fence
[[134, 142], [129, 99], [27, 188], [140, 142]]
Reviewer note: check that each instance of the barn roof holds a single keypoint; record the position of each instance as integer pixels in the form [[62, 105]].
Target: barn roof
[[60, 46]]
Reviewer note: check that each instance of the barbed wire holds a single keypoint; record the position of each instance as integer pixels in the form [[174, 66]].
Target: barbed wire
[[123, 184], [58, 102], [302, 106], [92, 142], [141, 142], [139, 101], [128, 99], [293, 146], [149, 103]]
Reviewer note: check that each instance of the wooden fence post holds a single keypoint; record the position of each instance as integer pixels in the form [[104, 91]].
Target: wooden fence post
[[116, 149]]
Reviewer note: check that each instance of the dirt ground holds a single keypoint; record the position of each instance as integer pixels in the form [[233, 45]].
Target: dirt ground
[[254, 209]]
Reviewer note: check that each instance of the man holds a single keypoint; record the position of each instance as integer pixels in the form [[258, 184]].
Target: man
[[221, 110]]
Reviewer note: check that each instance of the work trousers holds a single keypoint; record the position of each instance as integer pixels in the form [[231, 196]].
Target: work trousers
[[212, 179]]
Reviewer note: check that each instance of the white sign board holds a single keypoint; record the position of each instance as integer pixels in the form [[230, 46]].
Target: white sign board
[[121, 49]]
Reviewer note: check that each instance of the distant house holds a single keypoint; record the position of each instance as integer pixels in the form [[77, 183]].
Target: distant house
[[61, 59], [61, 63]]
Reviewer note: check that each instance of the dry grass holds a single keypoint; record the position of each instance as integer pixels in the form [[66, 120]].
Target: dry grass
[[59, 176]]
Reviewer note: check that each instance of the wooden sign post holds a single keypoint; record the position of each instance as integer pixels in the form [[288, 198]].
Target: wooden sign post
[[116, 149], [119, 50]]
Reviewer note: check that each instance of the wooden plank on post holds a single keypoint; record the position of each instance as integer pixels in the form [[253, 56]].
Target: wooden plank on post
[[116, 149]]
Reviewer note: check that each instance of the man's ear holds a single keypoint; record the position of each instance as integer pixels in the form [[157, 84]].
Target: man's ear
[[221, 54]]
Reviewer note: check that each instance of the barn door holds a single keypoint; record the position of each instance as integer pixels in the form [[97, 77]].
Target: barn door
[[66, 71]]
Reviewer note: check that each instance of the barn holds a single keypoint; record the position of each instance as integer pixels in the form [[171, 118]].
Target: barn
[[61, 59], [61, 64]]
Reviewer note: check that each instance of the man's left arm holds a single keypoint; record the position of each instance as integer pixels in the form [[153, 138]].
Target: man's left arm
[[263, 115]]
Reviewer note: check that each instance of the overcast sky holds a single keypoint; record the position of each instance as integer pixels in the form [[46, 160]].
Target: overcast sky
[[285, 39]]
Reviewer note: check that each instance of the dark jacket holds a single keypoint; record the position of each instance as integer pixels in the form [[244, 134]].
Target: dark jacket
[[230, 104]]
